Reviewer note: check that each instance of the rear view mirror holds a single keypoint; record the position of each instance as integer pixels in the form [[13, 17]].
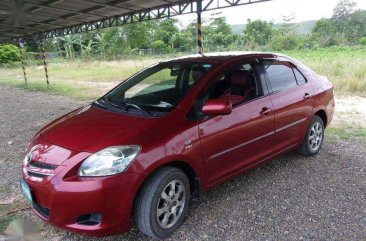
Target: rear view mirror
[[217, 107], [174, 72]]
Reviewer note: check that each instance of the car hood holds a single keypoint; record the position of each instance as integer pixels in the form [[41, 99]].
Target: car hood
[[91, 129]]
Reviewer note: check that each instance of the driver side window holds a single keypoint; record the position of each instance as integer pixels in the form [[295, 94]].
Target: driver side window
[[238, 84]]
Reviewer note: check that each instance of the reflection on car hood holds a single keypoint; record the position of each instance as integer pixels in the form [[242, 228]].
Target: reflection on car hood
[[91, 129]]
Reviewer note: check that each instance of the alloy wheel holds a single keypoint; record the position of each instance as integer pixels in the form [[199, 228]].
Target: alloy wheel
[[315, 136], [171, 204]]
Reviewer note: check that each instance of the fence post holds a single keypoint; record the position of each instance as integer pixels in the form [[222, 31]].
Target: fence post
[[44, 62], [199, 27], [23, 65]]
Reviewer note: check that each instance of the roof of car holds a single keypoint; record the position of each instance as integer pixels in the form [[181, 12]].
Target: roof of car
[[221, 56]]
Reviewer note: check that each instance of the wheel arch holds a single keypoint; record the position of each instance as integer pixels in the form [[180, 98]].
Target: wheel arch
[[323, 115], [194, 180]]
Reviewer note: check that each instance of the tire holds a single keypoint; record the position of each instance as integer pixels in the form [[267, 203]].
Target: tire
[[151, 201], [314, 138]]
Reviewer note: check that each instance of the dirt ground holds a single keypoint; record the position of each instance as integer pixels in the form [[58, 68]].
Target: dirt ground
[[350, 110], [290, 198]]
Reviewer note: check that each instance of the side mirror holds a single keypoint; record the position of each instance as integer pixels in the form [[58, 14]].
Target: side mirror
[[217, 107]]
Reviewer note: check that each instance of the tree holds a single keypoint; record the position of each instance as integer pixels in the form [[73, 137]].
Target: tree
[[191, 31], [68, 42], [287, 26], [50, 45], [342, 14], [258, 31], [356, 26], [325, 32], [139, 35], [217, 34], [184, 41], [165, 30], [217, 24], [87, 49], [106, 40]]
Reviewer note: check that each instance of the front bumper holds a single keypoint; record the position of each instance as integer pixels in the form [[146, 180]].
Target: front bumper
[[61, 198], [61, 203]]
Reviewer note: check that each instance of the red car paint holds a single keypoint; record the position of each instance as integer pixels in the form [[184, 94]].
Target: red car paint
[[213, 149]]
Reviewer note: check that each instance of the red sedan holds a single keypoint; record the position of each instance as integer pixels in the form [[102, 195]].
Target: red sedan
[[169, 133]]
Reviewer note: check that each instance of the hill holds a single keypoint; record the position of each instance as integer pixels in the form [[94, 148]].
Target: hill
[[304, 27]]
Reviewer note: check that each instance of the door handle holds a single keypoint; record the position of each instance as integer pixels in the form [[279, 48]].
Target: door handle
[[307, 96], [265, 111]]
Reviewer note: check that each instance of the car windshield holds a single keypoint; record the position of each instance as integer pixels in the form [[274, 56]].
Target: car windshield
[[156, 90]]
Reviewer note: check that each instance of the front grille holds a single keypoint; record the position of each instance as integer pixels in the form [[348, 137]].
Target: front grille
[[43, 165], [36, 174], [45, 212]]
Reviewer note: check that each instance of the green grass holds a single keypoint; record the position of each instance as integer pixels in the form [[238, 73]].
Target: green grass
[[90, 71], [346, 132], [5, 221], [64, 89], [344, 66]]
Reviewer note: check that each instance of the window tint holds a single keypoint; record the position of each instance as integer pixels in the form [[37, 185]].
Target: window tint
[[161, 80], [299, 77], [196, 72], [158, 88], [238, 85], [280, 75]]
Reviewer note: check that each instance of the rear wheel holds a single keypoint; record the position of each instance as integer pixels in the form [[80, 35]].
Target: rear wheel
[[162, 202], [314, 137]]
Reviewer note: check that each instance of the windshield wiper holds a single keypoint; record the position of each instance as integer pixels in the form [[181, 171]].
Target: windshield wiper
[[126, 105]]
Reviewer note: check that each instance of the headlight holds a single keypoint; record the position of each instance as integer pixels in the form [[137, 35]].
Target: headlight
[[109, 161]]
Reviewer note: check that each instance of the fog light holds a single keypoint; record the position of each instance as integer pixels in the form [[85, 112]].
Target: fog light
[[89, 219]]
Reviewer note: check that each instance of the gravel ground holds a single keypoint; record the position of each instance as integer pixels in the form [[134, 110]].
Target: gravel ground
[[291, 198]]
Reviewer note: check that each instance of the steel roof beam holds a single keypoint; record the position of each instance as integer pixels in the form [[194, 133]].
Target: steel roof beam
[[111, 4], [82, 12], [170, 9]]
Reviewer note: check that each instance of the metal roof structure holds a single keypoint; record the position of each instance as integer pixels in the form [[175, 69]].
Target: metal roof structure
[[39, 19]]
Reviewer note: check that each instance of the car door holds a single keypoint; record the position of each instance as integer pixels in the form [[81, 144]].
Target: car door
[[233, 142], [291, 95]]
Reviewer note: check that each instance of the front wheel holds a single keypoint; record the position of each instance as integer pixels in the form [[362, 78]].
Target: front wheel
[[162, 202], [314, 138]]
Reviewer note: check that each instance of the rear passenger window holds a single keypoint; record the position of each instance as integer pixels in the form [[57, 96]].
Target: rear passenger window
[[299, 77], [280, 75]]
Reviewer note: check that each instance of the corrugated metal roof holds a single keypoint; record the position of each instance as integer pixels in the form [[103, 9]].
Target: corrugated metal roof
[[28, 17], [49, 18]]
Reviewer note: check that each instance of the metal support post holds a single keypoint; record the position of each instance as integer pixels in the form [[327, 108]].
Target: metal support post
[[199, 27], [23, 65], [44, 62]]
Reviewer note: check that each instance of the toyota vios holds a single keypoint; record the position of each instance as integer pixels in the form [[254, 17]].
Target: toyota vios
[[169, 133]]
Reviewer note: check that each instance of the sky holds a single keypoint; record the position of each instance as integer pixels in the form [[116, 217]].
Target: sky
[[274, 10]]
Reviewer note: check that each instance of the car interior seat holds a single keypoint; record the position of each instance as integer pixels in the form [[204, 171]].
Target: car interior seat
[[240, 88]]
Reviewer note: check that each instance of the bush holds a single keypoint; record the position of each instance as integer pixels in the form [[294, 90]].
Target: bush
[[9, 53], [158, 45], [286, 42], [362, 41]]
